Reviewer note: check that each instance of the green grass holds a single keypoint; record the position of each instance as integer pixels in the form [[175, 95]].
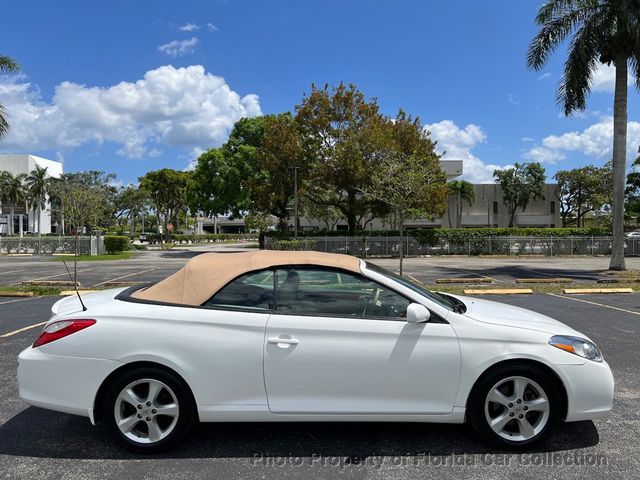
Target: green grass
[[93, 258], [38, 291]]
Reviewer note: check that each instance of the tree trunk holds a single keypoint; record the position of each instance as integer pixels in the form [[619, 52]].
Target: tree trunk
[[450, 206], [619, 162], [11, 226], [512, 216]]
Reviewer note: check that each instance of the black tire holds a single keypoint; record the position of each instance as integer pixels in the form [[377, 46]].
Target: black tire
[[476, 406], [182, 396]]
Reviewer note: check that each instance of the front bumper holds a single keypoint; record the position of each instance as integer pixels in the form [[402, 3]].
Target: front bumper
[[589, 388], [64, 384]]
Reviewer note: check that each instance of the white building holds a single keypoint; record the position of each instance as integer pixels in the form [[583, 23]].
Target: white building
[[25, 163]]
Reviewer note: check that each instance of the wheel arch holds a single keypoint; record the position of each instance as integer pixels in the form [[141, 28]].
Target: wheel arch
[[564, 399], [106, 383]]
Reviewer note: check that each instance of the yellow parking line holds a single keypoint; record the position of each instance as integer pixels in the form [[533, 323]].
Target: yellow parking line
[[594, 303], [20, 330]]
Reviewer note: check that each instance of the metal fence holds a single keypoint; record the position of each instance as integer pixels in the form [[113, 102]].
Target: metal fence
[[48, 245], [390, 246]]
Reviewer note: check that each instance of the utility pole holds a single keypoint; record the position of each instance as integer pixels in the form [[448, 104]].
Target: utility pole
[[295, 197]]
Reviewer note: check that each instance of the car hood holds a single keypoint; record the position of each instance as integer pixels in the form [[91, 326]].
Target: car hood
[[496, 313]]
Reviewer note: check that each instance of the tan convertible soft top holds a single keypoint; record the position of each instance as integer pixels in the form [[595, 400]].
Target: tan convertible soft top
[[205, 274]]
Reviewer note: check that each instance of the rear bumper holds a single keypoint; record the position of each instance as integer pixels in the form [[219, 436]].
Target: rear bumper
[[64, 384], [590, 388]]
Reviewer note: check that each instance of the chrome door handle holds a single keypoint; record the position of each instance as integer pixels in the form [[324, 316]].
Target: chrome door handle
[[283, 342]]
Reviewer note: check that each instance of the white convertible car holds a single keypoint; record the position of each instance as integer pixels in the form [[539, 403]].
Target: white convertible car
[[306, 336]]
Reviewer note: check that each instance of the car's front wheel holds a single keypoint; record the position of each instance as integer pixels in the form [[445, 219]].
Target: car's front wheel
[[515, 406], [148, 410]]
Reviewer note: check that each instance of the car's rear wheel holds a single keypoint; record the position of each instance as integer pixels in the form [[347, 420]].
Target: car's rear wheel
[[148, 410], [515, 406]]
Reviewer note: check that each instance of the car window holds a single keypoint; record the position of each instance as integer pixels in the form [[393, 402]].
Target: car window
[[252, 291], [314, 291]]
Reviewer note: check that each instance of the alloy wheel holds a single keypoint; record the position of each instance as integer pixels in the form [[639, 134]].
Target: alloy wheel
[[517, 408], [146, 411]]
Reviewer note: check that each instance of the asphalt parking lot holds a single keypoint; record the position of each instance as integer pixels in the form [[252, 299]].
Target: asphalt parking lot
[[35, 443]]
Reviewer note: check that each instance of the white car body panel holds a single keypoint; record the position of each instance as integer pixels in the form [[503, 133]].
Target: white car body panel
[[340, 369]]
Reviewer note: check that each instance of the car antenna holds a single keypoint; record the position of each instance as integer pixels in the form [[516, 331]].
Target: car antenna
[[75, 286]]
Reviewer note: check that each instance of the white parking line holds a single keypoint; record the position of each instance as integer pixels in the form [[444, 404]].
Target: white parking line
[[123, 276], [595, 303], [20, 330], [16, 300], [47, 277], [11, 272]]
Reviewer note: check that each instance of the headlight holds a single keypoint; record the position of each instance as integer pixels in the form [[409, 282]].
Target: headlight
[[578, 346]]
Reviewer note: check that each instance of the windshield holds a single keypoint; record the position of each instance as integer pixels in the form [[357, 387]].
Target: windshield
[[441, 299]]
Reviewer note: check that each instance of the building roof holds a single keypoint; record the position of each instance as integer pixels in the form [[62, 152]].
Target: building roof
[[204, 275]]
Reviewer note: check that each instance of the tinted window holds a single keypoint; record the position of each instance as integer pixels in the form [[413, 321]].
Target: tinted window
[[313, 291], [252, 291]]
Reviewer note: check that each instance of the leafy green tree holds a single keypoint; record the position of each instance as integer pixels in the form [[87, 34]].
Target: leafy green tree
[[130, 203], [406, 175], [581, 191], [338, 129], [520, 184], [604, 32], [12, 191], [220, 180], [459, 191], [9, 65], [279, 156], [167, 190], [632, 191], [85, 199], [37, 186]]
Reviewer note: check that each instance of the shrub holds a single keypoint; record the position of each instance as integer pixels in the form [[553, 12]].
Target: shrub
[[116, 244]]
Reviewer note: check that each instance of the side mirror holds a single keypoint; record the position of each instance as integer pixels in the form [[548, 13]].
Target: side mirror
[[417, 313]]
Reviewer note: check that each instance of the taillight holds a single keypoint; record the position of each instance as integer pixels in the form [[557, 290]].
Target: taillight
[[61, 329]]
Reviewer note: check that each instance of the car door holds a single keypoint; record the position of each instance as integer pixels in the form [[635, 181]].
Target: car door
[[339, 343]]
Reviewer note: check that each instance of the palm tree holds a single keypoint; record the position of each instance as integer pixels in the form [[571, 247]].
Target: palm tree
[[460, 190], [7, 64], [604, 32], [13, 192], [37, 186]]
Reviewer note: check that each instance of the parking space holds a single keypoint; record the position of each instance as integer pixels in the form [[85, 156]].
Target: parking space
[[504, 270], [35, 443]]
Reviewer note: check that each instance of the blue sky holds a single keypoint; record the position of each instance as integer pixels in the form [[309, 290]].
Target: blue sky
[[131, 86]]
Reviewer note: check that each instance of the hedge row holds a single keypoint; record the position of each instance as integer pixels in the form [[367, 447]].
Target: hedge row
[[434, 235], [116, 244], [198, 238]]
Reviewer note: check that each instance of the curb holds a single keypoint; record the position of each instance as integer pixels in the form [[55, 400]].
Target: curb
[[579, 291], [49, 283], [68, 293], [9, 293], [499, 291]]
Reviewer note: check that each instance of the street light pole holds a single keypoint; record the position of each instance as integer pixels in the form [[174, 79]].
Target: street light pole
[[295, 190]]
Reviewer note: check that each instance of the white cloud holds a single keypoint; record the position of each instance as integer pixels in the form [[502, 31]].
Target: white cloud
[[185, 107], [544, 155], [544, 76], [189, 27], [513, 101], [178, 48], [211, 27], [457, 143], [527, 139], [594, 141]]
